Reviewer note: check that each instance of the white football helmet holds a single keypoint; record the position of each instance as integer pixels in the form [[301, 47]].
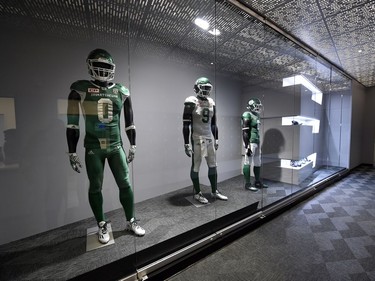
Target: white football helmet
[[203, 87]]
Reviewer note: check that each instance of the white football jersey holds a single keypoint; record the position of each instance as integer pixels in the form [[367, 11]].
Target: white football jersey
[[202, 116]]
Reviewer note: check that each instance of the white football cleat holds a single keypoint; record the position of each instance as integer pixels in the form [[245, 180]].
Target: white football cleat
[[103, 234], [133, 226], [219, 196], [200, 198]]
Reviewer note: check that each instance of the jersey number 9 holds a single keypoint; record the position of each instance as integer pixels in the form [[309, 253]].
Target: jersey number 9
[[206, 115]]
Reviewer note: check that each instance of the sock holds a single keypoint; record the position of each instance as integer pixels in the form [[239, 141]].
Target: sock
[[212, 176], [96, 203], [257, 173], [246, 173], [127, 202], [195, 179]]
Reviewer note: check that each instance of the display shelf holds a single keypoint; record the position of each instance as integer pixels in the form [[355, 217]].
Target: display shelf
[[311, 159], [316, 94], [301, 121], [293, 132]]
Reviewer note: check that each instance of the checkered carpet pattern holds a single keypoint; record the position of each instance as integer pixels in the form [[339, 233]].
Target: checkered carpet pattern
[[330, 236]]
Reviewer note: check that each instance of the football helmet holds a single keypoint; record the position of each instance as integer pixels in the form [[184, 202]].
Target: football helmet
[[203, 87], [101, 66], [255, 105]]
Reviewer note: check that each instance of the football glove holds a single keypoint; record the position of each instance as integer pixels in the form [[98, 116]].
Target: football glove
[[188, 150], [131, 153], [75, 162], [216, 144]]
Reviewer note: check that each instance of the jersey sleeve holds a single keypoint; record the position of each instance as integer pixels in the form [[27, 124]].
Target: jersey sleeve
[[125, 93], [79, 86], [212, 102], [246, 115]]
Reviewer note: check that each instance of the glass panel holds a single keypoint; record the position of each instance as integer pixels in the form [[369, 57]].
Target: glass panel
[[171, 47], [236, 48], [160, 48], [277, 60], [45, 203]]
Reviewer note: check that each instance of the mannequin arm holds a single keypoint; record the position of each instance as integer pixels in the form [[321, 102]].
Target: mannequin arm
[[129, 122]]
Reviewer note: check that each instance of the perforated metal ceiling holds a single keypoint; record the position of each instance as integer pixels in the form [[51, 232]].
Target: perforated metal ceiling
[[342, 31], [245, 49]]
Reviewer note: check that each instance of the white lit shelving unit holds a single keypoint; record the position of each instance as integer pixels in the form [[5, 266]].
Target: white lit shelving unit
[[299, 130]]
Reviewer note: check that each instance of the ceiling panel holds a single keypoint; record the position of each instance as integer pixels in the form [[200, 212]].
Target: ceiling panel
[[336, 30]]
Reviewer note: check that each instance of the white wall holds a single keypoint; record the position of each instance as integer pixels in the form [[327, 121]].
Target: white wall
[[44, 192]]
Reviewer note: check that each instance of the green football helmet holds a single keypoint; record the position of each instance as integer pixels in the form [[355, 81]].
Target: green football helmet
[[255, 105], [203, 87], [101, 66]]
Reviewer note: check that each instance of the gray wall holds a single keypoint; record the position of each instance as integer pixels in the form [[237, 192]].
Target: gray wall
[[43, 192], [357, 143], [368, 135]]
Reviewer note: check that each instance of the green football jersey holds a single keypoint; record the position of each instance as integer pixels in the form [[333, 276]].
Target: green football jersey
[[101, 108], [252, 121]]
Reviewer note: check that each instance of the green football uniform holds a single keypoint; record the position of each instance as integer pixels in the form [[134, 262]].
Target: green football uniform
[[101, 108], [251, 137], [251, 122]]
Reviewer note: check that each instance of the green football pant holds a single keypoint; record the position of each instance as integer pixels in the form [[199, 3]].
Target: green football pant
[[95, 162]]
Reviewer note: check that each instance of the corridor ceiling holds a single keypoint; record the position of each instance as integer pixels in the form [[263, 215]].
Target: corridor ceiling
[[341, 31]]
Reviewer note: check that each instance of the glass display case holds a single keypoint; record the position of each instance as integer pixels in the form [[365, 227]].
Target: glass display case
[[160, 49]]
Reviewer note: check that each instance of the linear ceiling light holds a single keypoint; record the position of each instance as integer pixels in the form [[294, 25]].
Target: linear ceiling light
[[202, 23]]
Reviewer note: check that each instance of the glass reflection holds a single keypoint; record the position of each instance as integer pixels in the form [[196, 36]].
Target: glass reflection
[[9, 148], [161, 48], [165, 67]]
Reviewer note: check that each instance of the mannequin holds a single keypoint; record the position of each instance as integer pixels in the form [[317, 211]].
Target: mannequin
[[251, 140], [200, 115], [101, 102]]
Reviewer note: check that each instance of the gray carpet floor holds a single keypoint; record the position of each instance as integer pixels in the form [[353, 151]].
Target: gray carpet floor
[[330, 236], [61, 254]]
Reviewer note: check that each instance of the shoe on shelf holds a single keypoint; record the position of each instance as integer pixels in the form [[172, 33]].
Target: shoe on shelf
[[133, 226], [248, 186], [103, 234], [258, 184], [200, 198], [219, 196]]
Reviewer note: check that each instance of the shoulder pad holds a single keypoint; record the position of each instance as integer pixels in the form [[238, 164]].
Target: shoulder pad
[[191, 99], [246, 115], [122, 89], [80, 85], [211, 101]]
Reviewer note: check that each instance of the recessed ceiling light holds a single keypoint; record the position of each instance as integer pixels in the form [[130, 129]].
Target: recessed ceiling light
[[202, 23], [215, 32]]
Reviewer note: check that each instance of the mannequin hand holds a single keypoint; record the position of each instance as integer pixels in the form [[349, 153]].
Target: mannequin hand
[[249, 152], [188, 150], [75, 162], [216, 144], [131, 153]]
